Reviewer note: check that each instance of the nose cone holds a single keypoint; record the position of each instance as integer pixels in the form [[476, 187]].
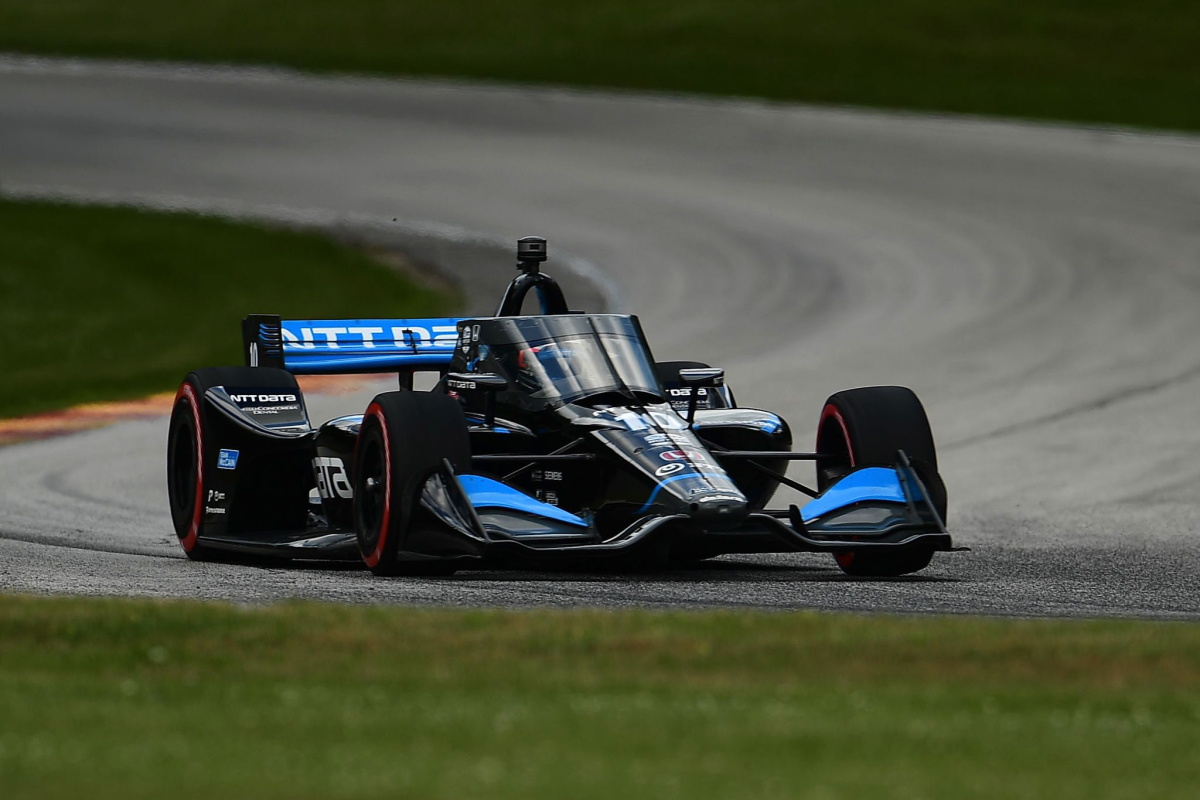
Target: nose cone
[[718, 512]]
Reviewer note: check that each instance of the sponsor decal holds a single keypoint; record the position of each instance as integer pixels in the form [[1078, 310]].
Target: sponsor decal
[[669, 469], [547, 475], [549, 498], [721, 498], [215, 497], [227, 459], [332, 479], [699, 456], [264, 410], [675, 441], [370, 337], [463, 385], [263, 398], [709, 489], [687, 392]]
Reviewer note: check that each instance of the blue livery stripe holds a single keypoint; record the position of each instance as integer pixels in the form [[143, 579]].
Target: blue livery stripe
[[879, 484], [487, 493], [683, 476]]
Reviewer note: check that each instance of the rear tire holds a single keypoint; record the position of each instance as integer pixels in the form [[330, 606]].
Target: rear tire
[[864, 427], [185, 469], [190, 452], [404, 439]]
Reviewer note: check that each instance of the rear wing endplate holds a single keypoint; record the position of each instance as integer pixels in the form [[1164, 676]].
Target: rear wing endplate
[[348, 346]]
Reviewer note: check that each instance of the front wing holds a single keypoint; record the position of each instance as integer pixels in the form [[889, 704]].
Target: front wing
[[870, 508]]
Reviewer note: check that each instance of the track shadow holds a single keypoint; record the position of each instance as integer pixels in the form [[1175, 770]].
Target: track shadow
[[740, 574], [704, 572]]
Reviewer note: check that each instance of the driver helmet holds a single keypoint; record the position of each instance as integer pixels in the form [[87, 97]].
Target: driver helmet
[[553, 360]]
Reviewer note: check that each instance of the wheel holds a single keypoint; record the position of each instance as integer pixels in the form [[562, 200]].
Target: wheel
[[191, 453], [185, 469], [404, 439], [865, 564], [866, 426]]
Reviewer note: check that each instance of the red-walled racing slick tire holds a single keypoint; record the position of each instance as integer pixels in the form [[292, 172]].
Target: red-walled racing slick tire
[[866, 426]]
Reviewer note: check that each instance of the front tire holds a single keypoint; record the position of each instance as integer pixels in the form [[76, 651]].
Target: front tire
[[866, 564], [405, 437], [863, 427]]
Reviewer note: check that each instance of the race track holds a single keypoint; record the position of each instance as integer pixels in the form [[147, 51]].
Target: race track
[[1038, 287]]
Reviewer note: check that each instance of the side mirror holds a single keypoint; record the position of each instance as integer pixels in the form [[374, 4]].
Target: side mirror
[[487, 382], [701, 378]]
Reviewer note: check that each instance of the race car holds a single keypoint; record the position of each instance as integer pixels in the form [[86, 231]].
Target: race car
[[548, 439]]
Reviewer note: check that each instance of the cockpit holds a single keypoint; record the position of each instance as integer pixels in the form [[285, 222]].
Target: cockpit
[[563, 359]]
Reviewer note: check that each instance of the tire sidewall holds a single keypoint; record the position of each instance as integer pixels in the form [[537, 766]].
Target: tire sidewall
[[187, 420], [376, 547]]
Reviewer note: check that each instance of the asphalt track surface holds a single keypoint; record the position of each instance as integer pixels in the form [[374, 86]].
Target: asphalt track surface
[[1039, 288]]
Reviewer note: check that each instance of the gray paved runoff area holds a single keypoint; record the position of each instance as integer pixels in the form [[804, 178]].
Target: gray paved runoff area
[[1039, 287]]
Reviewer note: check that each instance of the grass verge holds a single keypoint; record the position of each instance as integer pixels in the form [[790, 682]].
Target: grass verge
[[109, 303], [1115, 61], [121, 698]]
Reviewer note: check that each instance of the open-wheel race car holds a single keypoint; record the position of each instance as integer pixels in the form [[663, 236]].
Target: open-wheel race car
[[548, 439]]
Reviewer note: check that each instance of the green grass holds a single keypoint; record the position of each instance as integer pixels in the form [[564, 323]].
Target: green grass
[[108, 303], [130, 699], [1133, 62]]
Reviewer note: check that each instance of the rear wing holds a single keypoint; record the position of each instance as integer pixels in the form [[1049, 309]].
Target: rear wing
[[348, 346]]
